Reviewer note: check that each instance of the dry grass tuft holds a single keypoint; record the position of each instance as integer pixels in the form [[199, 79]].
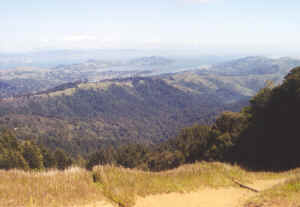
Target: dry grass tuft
[[47, 189]]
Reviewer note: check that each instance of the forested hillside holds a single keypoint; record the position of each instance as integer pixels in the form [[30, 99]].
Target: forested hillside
[[81, 116], [263, 136]]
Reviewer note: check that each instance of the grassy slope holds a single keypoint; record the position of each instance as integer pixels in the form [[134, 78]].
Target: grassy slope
[[75, 187], [48, 189]]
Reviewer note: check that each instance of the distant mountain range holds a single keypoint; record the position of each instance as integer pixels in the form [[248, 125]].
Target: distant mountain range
[[151, 61], [22, 78], [98, 66], [52, 58], [28, 80], [255, 66]]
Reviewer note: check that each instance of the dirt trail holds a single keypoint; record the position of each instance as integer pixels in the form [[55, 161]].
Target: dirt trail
[[98, 204], [223, 197]]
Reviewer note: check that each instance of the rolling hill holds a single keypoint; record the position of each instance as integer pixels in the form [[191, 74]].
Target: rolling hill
[[141, 109]]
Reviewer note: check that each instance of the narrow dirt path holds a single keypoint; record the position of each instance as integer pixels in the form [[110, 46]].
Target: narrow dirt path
[[223, 197]]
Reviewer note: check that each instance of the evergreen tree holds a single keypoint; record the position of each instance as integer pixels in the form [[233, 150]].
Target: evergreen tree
[[33, 155], [48, 158], [62, 160]]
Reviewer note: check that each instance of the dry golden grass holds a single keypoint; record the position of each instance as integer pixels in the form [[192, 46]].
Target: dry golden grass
[[75, 186], [123, 186], [285, 194], [48, 189]]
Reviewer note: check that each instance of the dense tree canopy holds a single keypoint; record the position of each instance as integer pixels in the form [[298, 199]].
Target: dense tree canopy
[[272, 137]]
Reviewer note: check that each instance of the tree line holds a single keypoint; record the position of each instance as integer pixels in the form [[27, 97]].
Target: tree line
[[26, 155], [196, 143]]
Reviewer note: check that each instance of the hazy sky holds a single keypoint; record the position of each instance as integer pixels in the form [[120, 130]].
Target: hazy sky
[[262, 26]]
